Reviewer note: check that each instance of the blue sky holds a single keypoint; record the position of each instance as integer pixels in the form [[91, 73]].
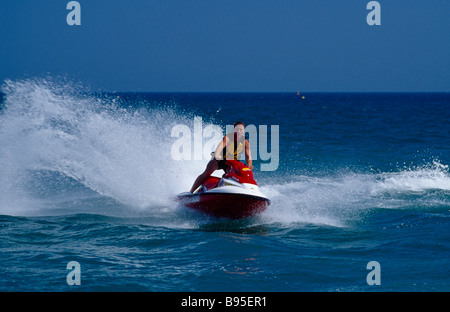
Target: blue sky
[[227, 46]]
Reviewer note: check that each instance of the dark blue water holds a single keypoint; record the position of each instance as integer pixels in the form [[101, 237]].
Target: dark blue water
[[91, 178]]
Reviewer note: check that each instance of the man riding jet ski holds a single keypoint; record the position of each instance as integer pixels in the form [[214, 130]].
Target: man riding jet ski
[[236, 194]]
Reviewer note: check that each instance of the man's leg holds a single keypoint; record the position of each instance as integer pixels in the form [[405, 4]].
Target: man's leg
[[210, 168]]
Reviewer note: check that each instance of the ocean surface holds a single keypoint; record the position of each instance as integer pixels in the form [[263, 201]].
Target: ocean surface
[[359, 187]]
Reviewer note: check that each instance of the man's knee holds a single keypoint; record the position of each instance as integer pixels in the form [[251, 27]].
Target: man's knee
[[211, 167]]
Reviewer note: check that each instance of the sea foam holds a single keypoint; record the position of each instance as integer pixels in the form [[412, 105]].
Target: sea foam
[[124, 154]]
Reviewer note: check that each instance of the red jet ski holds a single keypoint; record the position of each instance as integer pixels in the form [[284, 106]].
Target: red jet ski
[[235, 195]]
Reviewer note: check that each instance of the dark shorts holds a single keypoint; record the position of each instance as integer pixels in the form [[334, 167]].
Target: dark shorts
[[222, 164]]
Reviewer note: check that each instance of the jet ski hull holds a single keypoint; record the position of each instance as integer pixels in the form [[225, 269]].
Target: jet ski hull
[[225, 205], [236, 195]]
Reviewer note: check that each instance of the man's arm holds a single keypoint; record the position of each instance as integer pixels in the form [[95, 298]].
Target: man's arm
[[248, 154], [218, 154]]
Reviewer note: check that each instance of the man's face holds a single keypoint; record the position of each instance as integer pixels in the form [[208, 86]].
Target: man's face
[[240, 130]]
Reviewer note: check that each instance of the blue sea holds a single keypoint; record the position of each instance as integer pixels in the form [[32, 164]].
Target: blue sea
[[360, 192]]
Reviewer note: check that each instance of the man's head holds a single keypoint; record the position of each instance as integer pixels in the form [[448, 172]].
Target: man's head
[[239, 128], [238, 123]]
